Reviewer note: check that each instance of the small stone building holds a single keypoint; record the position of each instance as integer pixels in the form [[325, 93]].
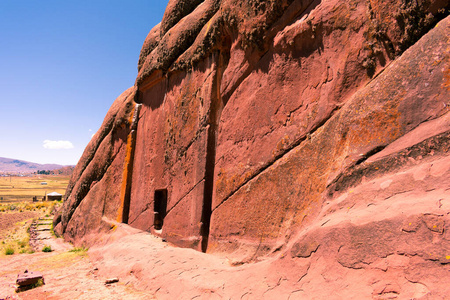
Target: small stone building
[[54, 196]]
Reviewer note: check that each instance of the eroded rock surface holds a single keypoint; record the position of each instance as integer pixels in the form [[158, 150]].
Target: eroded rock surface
[[314, 130]]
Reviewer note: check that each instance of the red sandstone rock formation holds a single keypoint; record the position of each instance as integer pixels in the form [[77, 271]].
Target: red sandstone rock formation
[[299, 127]]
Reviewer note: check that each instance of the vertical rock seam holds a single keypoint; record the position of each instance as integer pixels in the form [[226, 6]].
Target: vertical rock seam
[[214, 118], [124, 208]]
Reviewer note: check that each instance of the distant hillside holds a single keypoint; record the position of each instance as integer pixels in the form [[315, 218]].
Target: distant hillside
[[8, 165]]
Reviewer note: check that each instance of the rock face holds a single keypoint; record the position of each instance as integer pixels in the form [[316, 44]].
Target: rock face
[[95, 186], [299, 127]]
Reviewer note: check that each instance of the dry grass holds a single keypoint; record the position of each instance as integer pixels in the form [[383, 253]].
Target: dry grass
[[16, 241], [44, 208], [17, 188], [16, 216], [15, 235]]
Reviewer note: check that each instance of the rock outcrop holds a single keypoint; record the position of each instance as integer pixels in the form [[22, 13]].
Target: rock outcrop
[[301, 127]]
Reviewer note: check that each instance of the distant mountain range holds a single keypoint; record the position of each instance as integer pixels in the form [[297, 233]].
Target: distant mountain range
[[8, 165]]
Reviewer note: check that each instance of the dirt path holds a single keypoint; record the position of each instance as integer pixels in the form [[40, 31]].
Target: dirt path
[[41, 236]]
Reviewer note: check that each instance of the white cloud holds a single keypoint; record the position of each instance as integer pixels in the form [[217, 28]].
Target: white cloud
[[57, 145]]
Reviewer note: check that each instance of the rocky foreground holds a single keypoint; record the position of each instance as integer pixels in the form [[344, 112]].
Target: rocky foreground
[[303, 145]]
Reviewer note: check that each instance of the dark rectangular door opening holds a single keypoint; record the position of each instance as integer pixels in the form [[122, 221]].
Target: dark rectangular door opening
[[160, 206]]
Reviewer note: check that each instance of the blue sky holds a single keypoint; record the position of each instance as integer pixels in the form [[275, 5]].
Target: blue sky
[[62, 64]]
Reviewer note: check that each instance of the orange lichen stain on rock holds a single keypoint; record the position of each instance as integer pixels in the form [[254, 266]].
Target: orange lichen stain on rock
[[376, 127], [341, 15], [222, 184], [446, 83], [230, 181], [173, 235], [261, 211], [281, 145], [208, 25], [126, 169], [124, 180]]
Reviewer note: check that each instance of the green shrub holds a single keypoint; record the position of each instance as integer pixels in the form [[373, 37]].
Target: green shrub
[[9, 251], [47, 249], [23, 243], [77, 250]]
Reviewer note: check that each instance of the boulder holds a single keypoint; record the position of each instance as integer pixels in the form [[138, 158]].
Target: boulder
[[29, 278]]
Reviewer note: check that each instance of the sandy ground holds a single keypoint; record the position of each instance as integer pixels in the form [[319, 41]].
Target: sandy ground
[[68, 274]]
